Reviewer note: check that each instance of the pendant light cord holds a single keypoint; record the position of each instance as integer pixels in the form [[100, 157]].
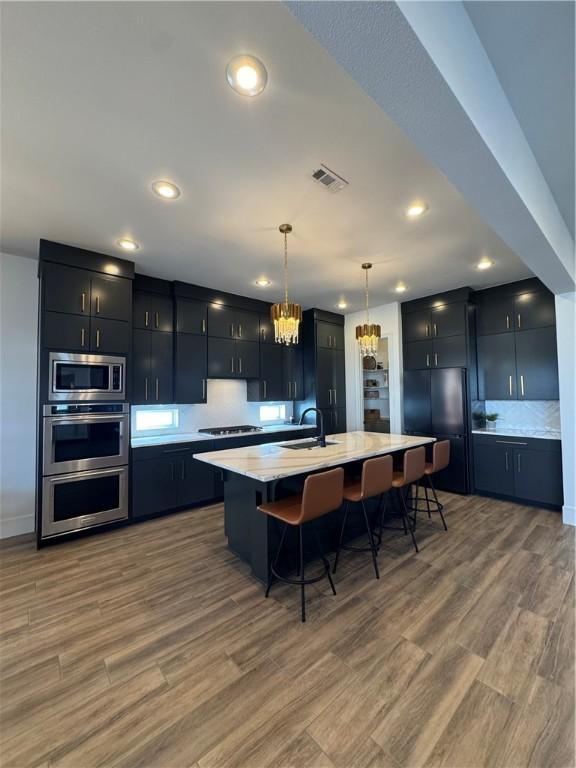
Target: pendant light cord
[[286, 270], [367, 311]]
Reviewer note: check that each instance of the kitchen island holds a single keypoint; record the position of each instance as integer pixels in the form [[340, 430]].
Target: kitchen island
[[266, 472]]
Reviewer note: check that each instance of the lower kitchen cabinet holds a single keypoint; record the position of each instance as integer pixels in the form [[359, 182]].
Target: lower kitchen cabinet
[[527, 469], [334, 420]]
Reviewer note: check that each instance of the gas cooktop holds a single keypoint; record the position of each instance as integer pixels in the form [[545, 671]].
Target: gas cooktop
[[230, 430]]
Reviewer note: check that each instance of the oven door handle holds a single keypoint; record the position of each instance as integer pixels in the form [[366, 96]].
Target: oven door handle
[[86, 418]]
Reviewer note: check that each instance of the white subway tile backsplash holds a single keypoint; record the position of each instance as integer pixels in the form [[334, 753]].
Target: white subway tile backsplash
[[526, 414]]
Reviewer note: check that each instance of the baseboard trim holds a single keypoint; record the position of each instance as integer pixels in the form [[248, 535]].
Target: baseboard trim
[[16, 526], [568, 515]]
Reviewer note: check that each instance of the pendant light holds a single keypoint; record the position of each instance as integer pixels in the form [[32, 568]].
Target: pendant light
[[286, 316], [368, 335]]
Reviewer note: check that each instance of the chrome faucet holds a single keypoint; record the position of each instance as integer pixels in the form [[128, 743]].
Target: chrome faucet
[[319, 417]]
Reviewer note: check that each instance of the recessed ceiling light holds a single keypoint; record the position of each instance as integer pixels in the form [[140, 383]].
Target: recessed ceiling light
[[484, 264], [415, 210], [166, 189], [263, 282], [342, 304], [246, 75], [126, 244], [400, 288]]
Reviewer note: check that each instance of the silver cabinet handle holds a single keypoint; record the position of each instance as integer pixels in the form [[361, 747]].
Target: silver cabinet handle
[[203, 389], [427, 360], [146, 317], [97, 305], [157, 388], [289, 390], [264, 387], [232, 330], [203, 325], [239, 365], [183, 472], [522, 384], [146, 388], [335, 397], [506, 455], [239, 330], [82, 337], [510, 442], [427, 329], [436, 359], [156, 320], [435, 330], [83, 299], [231, 365], [518, 459], [330, 396], [510, 385], [295, 390], [98, 338], [519, 320], [507, 322]]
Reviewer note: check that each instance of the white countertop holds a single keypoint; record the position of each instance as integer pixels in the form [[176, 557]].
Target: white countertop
[[190, 437], [545, 434], [273, 461]]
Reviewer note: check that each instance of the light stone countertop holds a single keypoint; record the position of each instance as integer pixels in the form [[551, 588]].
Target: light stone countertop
[[273, 461], [542, 434], [190, 437]]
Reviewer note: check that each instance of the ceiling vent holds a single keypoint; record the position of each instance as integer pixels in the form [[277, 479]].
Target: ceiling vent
[[329, 180]]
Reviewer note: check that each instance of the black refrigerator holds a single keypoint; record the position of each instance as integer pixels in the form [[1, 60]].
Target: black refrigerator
[[436, 405]]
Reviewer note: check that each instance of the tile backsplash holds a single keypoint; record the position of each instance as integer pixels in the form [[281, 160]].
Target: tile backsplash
[[226, 406], [526, 414]]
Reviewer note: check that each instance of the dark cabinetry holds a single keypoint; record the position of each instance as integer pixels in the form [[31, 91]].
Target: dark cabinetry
[[191, 316], [330, 335], [537, 365], [445, 319], [292, 373], [496, 367], [153, 312], [266, 329], [230, 359], [515, 307], [524, 468], [191, 351], [330, 378], [230, 323], [447, 352], [152, 367]]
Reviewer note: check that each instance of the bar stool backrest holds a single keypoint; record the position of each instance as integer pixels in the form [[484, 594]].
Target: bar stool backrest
[[376, 476], [440, 455], [322, 493], [414, 464]]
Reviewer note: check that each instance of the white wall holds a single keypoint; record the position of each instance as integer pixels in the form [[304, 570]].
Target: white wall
[[18, 351], [389, 319], [566, 335]]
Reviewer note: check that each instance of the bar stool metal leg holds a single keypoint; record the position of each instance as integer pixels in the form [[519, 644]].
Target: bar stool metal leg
[[406, 518], [325, 561], [373, 549], [272, 568], [342, 529], [438, 504], [302, 594]]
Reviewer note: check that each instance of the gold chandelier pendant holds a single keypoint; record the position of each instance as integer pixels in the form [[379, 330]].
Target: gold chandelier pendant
[[286, 315], [368, 335]]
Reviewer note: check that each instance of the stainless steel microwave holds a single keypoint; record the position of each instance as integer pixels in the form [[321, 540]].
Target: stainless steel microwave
[[86, 377]]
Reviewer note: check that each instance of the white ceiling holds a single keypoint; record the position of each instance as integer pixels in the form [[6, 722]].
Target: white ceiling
[[531, 47], [103, 98]]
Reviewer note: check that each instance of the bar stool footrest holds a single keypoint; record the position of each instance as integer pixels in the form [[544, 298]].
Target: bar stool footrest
[[300, 582]]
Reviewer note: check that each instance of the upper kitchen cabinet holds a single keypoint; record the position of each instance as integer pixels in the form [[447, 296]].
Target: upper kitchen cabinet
[[537, 365], [534, 310], [494, 314], [80, 292], [152, 367], [267, 329], [111, 297], [292, 373], [448, 352], [190, 368], [227, 322], [496, 367], [519, 306], [437, 320], [232, 359], [448, 319], [269, 386], [330, 335], [153, 311], [191, 316]]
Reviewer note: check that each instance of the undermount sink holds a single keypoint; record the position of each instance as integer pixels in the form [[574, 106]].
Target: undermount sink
[[308, 445]]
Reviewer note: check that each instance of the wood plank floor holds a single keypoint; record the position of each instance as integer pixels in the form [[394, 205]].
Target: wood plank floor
[[152, 646]]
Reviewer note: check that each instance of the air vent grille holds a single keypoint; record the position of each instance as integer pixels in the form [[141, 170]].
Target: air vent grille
[[329, 180]]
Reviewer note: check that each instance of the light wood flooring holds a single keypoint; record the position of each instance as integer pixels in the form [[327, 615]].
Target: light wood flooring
[[152, 646]]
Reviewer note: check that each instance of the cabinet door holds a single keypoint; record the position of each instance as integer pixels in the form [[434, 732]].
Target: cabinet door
[[248, 359], [537, 364], [494, 469], [142, 310], [154, 487], [417, 355], [324, 378], [221, 358], [417, 402], [141, 391], [196, 480], [339, 379], [161, 368], [221, 322], [339, 420], [109, 336], [449, 320], [538, 476], [271, 374], [329, 335], [534, 310], [66, 289], [162, 317], [191, 368], [293, 373], [266, 329], [495, 315], [66, 333], [449, 352], [416, 326], [247, 325], [496, 367], [191, 316], [111, 297]]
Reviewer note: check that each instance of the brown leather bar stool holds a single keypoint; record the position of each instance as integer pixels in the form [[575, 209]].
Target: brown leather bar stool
[[322, 494], [440, 460], [376, 480], [413, 465]]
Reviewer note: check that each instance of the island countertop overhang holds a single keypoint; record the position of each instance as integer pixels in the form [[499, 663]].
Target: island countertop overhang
[[273, 461]]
